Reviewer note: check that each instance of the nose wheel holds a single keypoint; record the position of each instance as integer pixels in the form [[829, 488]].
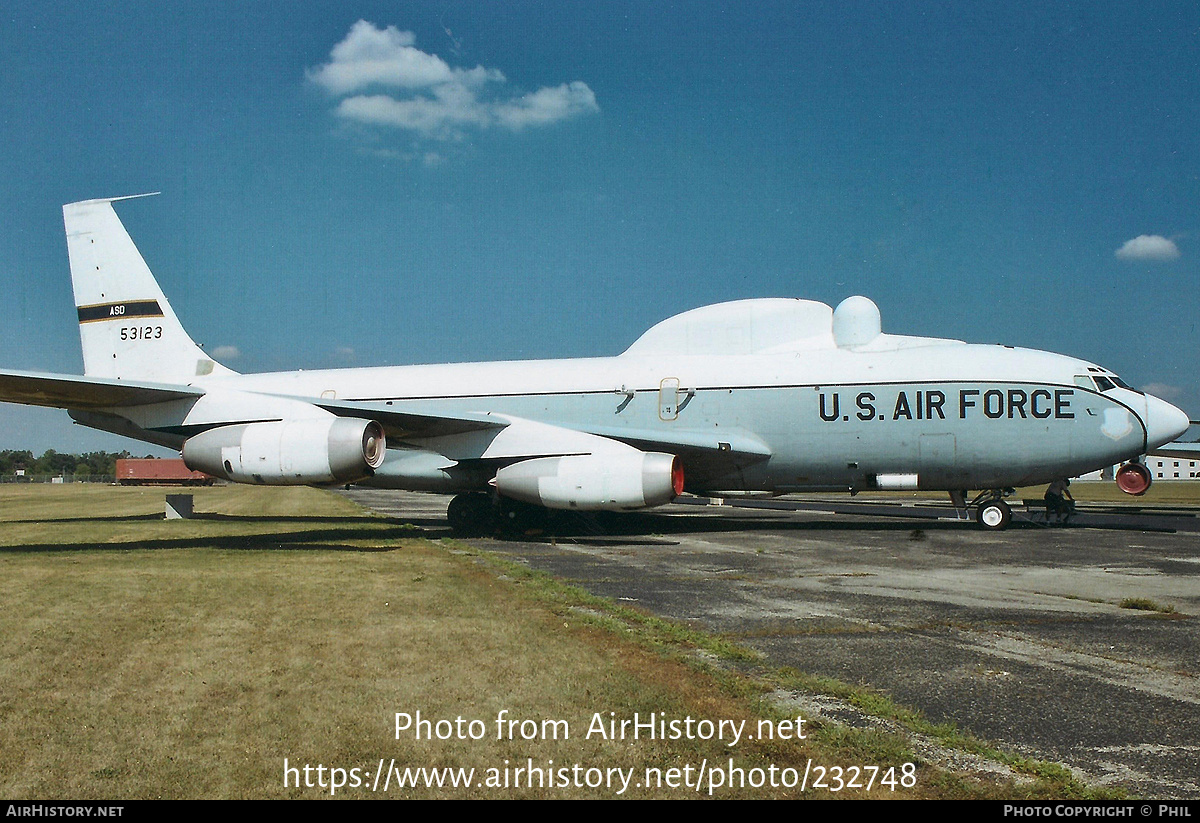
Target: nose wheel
[[993, 515]]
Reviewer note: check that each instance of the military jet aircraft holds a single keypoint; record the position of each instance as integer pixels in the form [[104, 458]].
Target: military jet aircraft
[[752, 396]]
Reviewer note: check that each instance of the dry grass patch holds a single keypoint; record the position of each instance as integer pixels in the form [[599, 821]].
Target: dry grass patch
[[144, 658]]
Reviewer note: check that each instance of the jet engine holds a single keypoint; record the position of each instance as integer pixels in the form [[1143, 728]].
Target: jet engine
[[1134, 478], [289, 453], [594, 482]]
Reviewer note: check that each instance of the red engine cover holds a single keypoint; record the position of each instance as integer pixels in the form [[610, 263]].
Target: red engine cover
[[1134, 478]]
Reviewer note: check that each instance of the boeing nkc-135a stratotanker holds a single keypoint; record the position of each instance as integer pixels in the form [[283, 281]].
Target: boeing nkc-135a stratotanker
[[752, 396]]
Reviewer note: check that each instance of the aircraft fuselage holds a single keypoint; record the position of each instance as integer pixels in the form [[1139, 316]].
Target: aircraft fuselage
[[956, 416]]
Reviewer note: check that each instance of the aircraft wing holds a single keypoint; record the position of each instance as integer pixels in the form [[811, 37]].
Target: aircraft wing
[[402, 423], [411, 422], [70, 391], [650, 440], [405, 423]]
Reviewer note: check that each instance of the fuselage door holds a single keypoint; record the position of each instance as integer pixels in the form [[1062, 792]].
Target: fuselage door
[[668, 399]]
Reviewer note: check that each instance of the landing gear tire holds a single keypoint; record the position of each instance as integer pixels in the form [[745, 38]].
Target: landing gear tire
[[994, 515], [519, 519], [471, 515]]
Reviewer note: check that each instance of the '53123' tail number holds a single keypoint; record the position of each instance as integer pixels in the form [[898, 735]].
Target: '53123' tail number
[[141, 332]]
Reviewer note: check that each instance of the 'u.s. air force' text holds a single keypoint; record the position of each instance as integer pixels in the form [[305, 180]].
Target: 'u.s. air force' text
[[933, 404]]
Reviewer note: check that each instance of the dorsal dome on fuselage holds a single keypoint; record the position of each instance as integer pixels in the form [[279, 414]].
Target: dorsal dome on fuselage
[[740, 327], [775, 325]]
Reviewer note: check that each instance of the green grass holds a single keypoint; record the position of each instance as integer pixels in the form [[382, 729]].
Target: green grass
[[1145, 604], [148, 658], [1161, 493]]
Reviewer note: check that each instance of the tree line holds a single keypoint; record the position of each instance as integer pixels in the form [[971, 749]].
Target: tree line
[[52, 463]]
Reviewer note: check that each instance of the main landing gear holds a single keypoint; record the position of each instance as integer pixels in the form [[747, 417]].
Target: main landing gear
[[991, 512], [472, 514], [479, 514]]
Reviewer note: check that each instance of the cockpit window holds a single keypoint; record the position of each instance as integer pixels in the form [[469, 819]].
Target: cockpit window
[[1103, 382], [1122, 384]]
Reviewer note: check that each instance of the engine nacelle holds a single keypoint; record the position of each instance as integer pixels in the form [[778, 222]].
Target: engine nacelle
[[289, 453], [594, 482], [1134, 478]]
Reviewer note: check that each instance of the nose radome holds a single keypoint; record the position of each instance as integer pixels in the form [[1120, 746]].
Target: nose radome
[[1164, 422]]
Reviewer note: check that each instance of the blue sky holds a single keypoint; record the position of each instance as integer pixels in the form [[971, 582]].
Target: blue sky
[[401, 182]]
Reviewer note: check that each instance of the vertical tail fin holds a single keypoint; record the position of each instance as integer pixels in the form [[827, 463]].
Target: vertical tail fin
[[126, 325]]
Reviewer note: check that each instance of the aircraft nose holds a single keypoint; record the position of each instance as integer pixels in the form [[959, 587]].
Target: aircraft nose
[[1164, 422]]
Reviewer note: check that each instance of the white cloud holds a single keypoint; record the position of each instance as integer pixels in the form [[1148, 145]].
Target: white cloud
[[428, 116], [1150, 247], [387, 57], [415, 91], [226, 353], [547, 105]]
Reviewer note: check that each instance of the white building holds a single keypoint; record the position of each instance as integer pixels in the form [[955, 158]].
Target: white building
[[1174, 461], [1173, 467]]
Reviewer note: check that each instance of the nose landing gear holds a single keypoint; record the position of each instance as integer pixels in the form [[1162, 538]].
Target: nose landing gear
[[991, 512], [994, 515]]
